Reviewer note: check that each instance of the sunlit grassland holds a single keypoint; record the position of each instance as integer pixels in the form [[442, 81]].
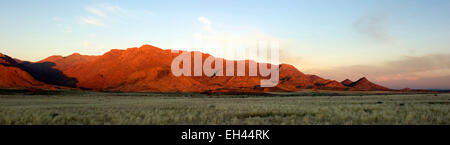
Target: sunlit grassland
[[166, 109]]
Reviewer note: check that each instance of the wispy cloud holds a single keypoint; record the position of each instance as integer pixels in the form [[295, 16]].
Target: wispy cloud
[[98, 13], [104, 14], [95, 11], [104, 9], [92, 21], [206, 23], [374, 27]]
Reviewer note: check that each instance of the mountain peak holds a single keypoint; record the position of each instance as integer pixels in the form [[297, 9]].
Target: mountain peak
[[334, 85], [3, 55], [362, 79], [364, 84], [6, 60], [347, 82], [149, 47], [75, 54]]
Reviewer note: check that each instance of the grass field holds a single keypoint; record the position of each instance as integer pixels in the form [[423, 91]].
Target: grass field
[[90, 108]]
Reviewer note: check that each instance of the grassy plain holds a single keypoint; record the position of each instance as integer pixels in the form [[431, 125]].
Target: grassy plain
[[301, 108]]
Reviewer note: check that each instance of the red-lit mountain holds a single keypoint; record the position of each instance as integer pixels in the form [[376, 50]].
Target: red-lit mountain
[[12, 76], [347, 82], [148, 68], [365, 85]]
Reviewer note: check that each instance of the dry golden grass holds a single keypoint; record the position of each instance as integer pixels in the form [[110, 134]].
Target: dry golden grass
[[163, 109]]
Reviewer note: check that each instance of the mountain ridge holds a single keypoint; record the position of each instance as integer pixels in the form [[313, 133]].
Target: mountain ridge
[[148, 68], [12, 75]]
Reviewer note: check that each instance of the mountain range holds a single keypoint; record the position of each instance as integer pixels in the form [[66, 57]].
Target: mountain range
[[148, 69]]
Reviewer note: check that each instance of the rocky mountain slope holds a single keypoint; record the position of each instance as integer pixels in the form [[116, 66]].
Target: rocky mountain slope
[[148, 68]]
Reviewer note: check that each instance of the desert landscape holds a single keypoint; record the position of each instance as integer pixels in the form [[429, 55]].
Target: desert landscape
[[200, 62], [301, 108], [135, 87]]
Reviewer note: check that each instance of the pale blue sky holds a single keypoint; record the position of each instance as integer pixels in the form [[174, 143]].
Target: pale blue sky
[[314, 35]]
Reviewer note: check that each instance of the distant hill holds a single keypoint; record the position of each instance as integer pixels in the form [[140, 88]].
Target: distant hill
[[347, 82], [365, 85]]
